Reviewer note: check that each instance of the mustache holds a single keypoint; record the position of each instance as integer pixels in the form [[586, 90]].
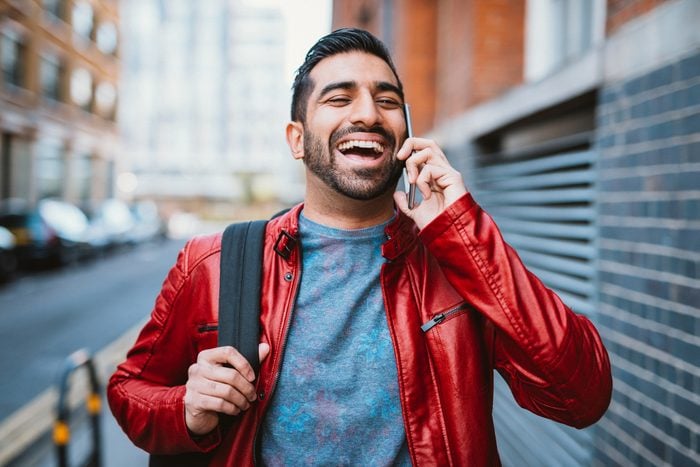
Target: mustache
[[377, 129]]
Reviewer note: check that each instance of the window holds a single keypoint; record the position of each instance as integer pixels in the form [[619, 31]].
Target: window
[[106, 38], [5, 165], [83, 18], [12, 53], [557, 32], [51, 71], [82, 172], [49, 169], [54, 7], [81, 88], [105, 99]]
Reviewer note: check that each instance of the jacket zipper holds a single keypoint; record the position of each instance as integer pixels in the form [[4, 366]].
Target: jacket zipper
[[277, 375], [440, 317]]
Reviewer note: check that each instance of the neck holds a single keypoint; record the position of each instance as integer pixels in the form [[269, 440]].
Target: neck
[[340, 212]]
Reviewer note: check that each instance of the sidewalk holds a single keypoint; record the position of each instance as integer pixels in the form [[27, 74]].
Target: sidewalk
[[116, 449]]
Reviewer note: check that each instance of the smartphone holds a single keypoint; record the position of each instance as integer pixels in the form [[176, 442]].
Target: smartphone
[[409, 188]]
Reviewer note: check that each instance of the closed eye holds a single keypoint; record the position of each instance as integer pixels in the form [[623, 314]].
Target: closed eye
[[388, 103], [339, 101]]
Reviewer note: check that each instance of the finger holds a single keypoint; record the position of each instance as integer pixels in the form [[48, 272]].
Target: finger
[[402, 202], [405, 150], [216, 404], [231, 394], [229, 355], [415, 163], [263, 351], [222, 391], [217, 355], [414, 145], [214, 380], [429, 180]]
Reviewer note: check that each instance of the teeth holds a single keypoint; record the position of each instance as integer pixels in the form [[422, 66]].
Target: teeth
[[378, 148]]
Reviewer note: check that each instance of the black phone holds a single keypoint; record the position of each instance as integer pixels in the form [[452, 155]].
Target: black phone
[[410, 188]]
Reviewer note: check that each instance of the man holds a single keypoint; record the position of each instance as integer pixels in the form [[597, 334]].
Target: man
[[380, 326]]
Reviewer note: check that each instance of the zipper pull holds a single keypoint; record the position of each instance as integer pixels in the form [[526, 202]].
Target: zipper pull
[[437, 319]]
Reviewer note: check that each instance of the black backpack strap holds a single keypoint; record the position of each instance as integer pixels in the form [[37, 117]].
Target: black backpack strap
[[239, 311], [239, 288]]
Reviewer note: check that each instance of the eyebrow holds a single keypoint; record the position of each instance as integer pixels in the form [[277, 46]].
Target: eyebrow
[[349, 85]]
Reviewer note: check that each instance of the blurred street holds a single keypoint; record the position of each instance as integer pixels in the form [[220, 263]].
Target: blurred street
[[46, 316]]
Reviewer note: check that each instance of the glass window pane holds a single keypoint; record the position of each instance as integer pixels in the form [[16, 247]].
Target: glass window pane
[[82, 18], [54, 7], [12, 59], [50, 76], [82, 172], [81, 87], [105, 98], [106, 38], [49, 169]]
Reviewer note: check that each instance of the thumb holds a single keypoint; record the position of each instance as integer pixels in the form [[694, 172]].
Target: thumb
[[263, 350], [402, 202]]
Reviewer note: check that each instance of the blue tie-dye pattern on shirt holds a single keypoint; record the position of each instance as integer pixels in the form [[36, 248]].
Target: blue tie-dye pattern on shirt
[[337, 397]]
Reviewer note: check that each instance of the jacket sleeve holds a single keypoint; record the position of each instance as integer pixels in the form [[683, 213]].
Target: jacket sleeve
[[553, 359], [146, 392]]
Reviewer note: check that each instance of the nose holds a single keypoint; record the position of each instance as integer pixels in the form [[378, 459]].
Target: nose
[[365, 111]]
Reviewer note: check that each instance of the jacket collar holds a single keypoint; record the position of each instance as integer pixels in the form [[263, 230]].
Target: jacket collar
[[401, 233]]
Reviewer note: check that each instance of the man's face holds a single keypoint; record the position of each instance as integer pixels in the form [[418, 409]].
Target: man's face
[[354, 126]]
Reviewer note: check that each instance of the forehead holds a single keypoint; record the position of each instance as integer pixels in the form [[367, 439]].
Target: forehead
[[360, 67]]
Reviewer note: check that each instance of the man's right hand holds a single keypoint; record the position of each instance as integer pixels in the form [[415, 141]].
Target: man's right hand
[[213, 388]]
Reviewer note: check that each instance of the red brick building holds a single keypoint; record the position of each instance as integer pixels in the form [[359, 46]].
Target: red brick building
[[58, 95]]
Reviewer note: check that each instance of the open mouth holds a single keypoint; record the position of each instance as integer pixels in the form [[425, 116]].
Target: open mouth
[[361, 148]]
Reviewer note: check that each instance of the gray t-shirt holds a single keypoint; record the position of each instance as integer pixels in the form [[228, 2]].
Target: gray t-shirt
[[337, 397]]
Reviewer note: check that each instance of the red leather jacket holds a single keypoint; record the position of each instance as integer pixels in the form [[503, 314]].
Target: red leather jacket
[[459, 304]]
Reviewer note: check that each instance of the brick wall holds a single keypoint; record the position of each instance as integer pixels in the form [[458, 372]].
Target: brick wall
[[649, 265], [480, 52], [414, 45]]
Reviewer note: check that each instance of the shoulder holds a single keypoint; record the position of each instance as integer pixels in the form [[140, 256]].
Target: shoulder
[[199, 249]]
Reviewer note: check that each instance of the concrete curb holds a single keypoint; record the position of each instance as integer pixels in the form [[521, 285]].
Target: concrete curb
[[29, 423]]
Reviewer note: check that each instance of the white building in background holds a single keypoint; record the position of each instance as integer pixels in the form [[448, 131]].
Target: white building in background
[[204, 101]]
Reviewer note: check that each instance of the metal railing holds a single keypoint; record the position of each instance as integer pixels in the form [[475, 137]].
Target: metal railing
[[61, 429]]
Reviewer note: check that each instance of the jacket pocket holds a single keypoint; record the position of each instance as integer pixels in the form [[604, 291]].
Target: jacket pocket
[[444, 316], [206, 336]]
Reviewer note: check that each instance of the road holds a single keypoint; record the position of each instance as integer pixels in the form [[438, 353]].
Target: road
[[46, 316]]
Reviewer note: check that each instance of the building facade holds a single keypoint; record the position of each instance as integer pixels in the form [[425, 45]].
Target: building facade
[[577, 126], [203, 86], [58, 96]]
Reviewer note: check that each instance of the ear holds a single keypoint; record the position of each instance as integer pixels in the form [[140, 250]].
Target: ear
[[295, 139]]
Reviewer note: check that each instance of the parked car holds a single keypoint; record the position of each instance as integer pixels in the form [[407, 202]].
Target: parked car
[[148, 225], [113, 219], [8, 256], [71, 227], [53, 231]]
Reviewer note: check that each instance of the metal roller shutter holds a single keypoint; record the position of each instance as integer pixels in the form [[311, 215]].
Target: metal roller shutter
[[543, 200]]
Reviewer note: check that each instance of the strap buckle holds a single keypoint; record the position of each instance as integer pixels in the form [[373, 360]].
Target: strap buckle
[[284, 246]]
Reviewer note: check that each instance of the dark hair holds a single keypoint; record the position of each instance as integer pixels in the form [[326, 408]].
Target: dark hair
[[339, 41]]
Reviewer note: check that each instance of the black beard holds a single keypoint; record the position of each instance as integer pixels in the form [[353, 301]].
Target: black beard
[[359, 184]]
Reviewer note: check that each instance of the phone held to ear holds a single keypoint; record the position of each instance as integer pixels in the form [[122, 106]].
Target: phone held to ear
[[409, 188]]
